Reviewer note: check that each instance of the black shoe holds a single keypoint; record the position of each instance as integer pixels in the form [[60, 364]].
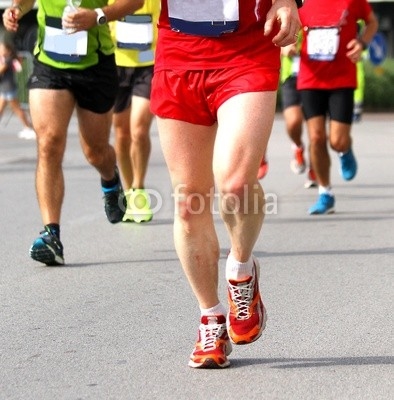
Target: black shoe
[[47, 249], [114, 203]]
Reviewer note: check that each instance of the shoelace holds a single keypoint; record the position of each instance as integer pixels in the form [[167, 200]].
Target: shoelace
[[209, 334], [242, 295]]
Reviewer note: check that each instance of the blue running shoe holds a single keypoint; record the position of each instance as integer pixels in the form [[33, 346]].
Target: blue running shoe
[[47, 249], [348, 165], [324, 205]]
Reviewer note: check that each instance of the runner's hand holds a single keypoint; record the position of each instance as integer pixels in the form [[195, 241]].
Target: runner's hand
[[284, 14], [11, 16]]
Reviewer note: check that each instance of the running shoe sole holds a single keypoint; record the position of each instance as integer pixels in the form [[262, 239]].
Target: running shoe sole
[[328, 211], [138, 209], [209, 363], [45, 254], [213, 362]]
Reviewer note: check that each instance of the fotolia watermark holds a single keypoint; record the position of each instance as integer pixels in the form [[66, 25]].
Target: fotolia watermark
[[196, 203], [230, 203]]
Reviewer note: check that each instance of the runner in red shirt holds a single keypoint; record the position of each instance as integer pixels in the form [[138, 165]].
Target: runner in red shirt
[[327, 79], [214, 92]]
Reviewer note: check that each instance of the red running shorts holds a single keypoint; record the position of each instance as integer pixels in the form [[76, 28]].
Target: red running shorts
[[195, 96]]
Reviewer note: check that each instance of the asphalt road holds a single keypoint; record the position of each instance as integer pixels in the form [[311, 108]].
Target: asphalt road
[[118, 321]]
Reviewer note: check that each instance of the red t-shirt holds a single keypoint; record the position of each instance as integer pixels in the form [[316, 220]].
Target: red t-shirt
[[320, 19], [247, 45]]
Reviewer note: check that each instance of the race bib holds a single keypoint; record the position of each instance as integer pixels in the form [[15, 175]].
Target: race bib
[[135, 32], [208, 18], [61, 46], [323, 43]]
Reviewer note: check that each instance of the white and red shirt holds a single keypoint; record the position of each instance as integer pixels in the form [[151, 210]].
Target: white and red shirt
[[246, 44], [328, 26]]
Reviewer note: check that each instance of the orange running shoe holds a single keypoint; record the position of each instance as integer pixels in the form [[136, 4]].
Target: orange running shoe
[[263, 169], [247, 315], [213, 345], [298, 165]]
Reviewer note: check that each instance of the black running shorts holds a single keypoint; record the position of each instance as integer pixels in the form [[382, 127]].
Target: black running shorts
[[94, 88], [133, 82], [289, 94], [336, 103]]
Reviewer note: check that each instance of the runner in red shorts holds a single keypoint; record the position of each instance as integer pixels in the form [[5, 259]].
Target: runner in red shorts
[[214, 93]]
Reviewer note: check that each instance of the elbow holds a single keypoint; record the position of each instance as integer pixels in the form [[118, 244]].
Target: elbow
[[373, 23]]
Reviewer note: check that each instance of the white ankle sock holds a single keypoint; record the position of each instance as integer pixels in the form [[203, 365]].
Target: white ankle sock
[[216, 310], [238, 271], [325, 190], [295, 147]]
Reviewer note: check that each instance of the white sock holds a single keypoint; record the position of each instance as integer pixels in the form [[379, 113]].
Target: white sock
[[216, 310], [237, 271], [325, 190], [295, 147]]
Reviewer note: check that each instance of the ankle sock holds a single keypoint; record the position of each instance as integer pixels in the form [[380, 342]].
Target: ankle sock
[[343, 153], [295, 147], [238, 271], [216, 310], [111, 185], [325, 190]]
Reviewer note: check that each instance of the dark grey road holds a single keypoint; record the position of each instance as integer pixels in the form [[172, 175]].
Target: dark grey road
[[119, 321]]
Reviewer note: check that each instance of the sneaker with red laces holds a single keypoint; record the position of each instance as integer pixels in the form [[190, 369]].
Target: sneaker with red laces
[[263, 169], [213, 345], [298, 164], [247, 315]]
